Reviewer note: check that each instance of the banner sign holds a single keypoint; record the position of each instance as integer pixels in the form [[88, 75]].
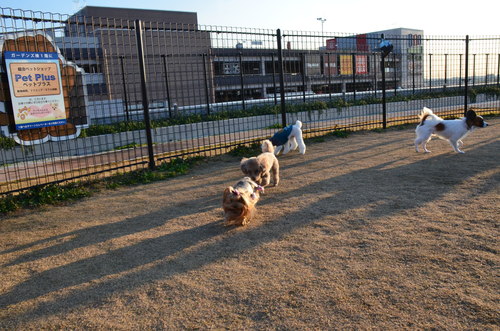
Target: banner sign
[[35, 89], [331, 44], [346, 65], [361, 64], [330, 62]]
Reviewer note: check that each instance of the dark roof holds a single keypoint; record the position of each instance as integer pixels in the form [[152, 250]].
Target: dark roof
[[147, 15]]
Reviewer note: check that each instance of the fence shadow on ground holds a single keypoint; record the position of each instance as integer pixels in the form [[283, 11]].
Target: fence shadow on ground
[[169, 255]]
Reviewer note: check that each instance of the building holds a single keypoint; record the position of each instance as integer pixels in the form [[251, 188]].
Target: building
[[184, 68], [405, 65], [102, 41], [344, 64]]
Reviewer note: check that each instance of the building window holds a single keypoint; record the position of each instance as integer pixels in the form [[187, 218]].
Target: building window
[[223, 68], [91, 68], [226, 68], [269, 67], [292, 67], [231, 68], [251, 67]]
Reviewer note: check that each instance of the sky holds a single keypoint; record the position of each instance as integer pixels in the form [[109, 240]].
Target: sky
[[435, 17]]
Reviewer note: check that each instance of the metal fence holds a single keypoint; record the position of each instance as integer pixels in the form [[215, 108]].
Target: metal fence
[[138, 93]]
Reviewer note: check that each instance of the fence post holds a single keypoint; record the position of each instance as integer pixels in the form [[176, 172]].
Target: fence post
[[382, 69], [144, 91], [282, 78], [466, 77]]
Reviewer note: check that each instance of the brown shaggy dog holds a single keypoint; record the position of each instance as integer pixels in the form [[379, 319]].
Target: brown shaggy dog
[[239, 201], [259, 168]]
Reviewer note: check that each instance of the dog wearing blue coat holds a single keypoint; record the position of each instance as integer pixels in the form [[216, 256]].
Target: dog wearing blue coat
[[288, 139]]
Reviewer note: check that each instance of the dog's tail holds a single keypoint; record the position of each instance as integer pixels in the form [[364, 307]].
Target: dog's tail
[[427, 113], [267, 146]]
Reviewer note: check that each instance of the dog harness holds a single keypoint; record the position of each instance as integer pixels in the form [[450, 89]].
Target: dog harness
[[281, 137]]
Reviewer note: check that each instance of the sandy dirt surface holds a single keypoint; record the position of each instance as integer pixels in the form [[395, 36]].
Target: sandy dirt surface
[[362, 233]]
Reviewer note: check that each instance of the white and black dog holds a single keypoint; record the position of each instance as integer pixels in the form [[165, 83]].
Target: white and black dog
[[288, 139], [451, 130]]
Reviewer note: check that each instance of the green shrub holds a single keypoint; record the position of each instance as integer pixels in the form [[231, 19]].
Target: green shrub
[[246, 151], [319, 106], [7, 143], [56, 193], [44, 195]]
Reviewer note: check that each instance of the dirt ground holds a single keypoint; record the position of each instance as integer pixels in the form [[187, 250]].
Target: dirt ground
[[362, 233]]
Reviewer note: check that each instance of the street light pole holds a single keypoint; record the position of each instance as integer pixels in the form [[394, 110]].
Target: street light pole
[[322, 20]]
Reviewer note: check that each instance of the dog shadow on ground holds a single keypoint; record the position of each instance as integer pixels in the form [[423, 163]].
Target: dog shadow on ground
[[176, 253]]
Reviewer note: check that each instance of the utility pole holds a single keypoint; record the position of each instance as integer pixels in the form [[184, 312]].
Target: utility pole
[[322, 20]]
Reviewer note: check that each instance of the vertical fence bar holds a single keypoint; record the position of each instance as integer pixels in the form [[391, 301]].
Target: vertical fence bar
[[205, 78], [242, 87], [498, 70], [375, 86], [304, 87], [274, 80], [445, 70], [413, 73], [384, 105], [466, 77], [486, 71], [354, 75], [395, 74], [473, 70], [282, 77], [144, 91], [329, 78], [125, 98], [460, 72], [167, 89], [430, 72]]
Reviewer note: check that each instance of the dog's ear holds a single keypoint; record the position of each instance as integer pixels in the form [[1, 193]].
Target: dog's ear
[[470, 115], [243, 165], [227, 193]]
